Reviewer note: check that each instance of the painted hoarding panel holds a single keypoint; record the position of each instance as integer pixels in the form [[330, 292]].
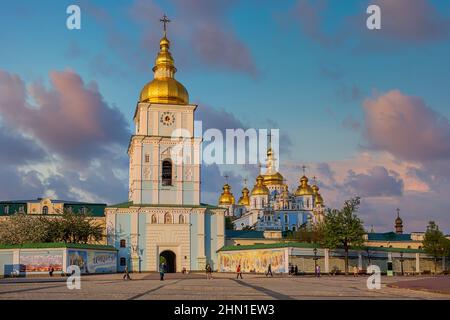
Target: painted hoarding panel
[[40, 261], [93, 261], [6, 263], [102, 262], [253, 261], [77, 258]]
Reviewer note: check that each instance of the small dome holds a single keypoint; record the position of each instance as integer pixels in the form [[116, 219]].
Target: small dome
[[285, 193], [226, 198], [304, 188], [319, 199], [260, 188], [245, 199]]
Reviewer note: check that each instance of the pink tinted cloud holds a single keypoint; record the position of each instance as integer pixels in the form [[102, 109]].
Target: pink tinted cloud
[[412, 20], [70, 118], [406, 127], [402, 21]]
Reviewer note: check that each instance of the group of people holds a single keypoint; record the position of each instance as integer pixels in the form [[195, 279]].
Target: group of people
[[292, 271]]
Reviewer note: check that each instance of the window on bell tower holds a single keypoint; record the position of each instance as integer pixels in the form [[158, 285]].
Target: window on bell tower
[[147, 158], [166, 173]]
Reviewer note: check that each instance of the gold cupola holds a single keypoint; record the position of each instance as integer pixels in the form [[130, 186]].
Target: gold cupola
[[317, 196], [260, 189], [272, 177], [226, 198], [285, 193], [164, 88], [304, 188], [245, 199]]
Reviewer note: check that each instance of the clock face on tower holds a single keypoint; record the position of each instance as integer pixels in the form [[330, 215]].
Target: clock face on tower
[[167, 118]]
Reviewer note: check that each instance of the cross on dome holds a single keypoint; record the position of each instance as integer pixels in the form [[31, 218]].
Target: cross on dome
[[165, 20]]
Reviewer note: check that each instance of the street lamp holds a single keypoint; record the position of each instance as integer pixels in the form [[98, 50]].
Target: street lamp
[[315, 261], [401, 262], [368, 255]]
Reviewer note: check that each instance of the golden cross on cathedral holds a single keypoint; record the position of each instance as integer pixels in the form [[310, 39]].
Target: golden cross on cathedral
[[398, 212], [165, 20], [226, 178], [245, 182]]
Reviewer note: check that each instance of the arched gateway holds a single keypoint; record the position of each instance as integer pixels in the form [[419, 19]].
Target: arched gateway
[[169, 258]]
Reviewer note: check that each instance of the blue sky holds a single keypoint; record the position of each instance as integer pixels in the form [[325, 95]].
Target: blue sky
[[306, 66]]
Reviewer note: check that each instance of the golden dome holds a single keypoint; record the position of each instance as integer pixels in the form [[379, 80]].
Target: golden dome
[[319, 199], [304, 188], [285, 193], [245, 199], [273, 179], [317, 196], [226, 198], [259, 188], [164, 88]]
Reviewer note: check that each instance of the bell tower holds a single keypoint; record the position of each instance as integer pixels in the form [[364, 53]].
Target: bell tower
[[164, 154]]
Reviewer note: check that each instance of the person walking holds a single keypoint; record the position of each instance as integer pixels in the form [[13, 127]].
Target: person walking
[[296, 270], [126, 275], [318, 271], [51, 271], [355, 271], [162, 270], [239, 272], [269, 270], [208, 271]]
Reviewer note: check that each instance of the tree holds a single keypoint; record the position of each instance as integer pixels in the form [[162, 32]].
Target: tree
[[21, 228], [343, 228], [229, 225], [312, 234], [69, 228], [435, 244]]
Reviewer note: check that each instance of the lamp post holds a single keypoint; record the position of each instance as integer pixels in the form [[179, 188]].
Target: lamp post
[[401, 262], [315, 261]]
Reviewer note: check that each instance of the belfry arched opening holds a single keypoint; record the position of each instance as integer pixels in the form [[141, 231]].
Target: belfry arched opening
[[168, 258]]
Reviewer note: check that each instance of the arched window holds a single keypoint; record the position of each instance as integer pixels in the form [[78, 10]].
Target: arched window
[[167, 173], [123, 243], [167, 218], [45, 210], [123, 262], [307, 203], [181, 219], [154, 218]]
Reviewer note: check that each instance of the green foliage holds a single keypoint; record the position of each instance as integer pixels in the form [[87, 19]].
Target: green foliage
[[435, 244], [343, 228], [68, 228], [307, 234], [229, 223]]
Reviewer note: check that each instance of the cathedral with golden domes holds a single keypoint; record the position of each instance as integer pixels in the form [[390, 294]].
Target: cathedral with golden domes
[[270, 205]]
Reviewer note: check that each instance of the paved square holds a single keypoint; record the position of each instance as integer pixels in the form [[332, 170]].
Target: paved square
[[222, 287]]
